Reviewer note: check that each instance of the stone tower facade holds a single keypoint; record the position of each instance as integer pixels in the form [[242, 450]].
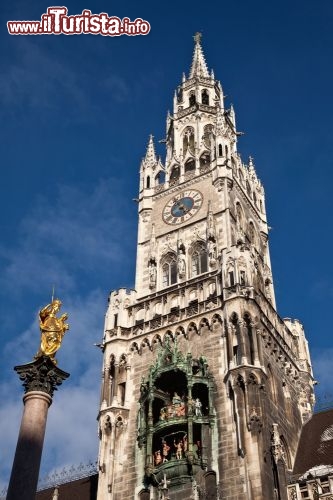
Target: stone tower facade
[[205, 388]]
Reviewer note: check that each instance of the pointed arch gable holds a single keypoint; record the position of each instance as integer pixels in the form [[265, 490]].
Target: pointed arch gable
[[204, 325], [216, 322], [168, 337], [145, 343], [134, 348], [192, 330], [157, 341]]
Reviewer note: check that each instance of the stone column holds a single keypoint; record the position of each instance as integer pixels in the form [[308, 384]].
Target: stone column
[[243, 342], [40, 379]]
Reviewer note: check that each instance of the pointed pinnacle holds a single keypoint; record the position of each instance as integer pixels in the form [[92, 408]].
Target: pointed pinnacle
[[199, 66], [251, 165], [150, 158]]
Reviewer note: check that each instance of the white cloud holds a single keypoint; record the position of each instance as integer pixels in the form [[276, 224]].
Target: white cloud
[[77, 231]]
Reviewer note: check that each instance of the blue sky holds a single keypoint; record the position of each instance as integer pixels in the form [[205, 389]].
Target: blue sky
[[75, 114]]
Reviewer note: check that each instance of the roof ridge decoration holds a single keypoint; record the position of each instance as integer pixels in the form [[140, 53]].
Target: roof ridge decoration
[[199, 66]]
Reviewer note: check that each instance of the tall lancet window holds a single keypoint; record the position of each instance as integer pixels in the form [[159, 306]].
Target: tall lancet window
[[205, 97], [175, 173], [192, 99], [199, 259], [208, 136], [169, 270]]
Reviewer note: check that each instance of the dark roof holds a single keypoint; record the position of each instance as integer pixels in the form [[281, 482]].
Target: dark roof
[[81, 489], [316, 443]]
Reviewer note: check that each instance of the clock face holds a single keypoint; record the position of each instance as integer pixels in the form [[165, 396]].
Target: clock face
[[182, 207]]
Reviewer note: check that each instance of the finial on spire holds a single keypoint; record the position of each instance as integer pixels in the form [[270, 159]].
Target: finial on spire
[[199, 66], [197, 37]]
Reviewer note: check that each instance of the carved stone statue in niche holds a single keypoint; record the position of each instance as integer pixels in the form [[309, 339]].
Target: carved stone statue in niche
[[210, 226], [212, 251], [152, 272], [181, 264]]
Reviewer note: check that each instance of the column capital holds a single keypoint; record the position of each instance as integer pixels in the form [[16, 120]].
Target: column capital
[[41, 375]]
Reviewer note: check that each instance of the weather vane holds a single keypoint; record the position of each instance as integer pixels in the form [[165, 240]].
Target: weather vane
[[52, 329]]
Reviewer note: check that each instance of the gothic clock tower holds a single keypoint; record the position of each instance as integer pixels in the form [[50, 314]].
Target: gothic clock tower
[[205, 388]]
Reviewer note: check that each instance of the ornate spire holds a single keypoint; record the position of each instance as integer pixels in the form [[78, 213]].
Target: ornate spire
[[199, 66], [150, 159]]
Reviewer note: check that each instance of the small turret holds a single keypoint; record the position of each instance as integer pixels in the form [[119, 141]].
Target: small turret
[[150, 159], [148, 164], [252, 171], [232, 116]]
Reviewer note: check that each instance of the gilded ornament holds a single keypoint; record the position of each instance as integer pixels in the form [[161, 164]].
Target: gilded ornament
[[52, 330]]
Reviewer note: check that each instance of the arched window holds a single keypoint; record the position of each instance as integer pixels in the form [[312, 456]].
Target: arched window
[[160, 177], [175, 173], [199, 261], [180, 95], [220, 150], [226, 151], [190, 165], [208, 136], [205, 159], [112, 370], [250, 340], [148, 182], [242, 277], [169, 269], [122, 379], [205, 97], [192, 99]]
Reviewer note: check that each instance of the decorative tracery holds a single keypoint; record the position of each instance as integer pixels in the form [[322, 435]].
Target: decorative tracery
[[199, 261], [169, 269]]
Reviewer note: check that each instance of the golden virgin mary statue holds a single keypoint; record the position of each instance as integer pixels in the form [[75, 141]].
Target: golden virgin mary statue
[[52, 329]]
